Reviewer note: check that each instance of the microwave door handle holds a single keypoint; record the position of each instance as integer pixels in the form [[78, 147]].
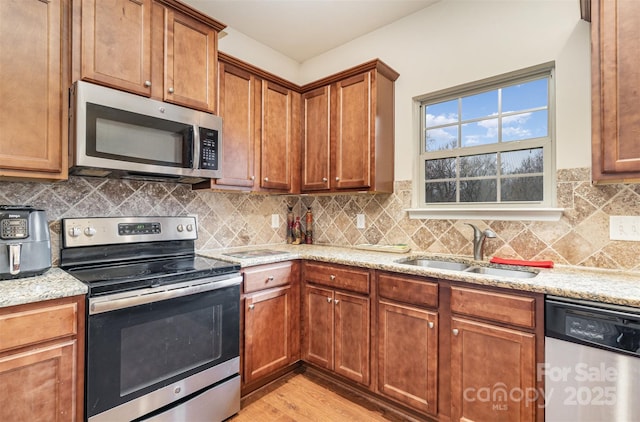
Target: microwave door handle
[[194, 141]]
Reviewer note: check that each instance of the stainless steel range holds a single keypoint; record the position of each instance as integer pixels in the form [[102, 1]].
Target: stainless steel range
[[163, 324]]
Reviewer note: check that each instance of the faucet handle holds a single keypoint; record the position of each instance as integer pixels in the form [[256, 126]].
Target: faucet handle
[[489, 233]]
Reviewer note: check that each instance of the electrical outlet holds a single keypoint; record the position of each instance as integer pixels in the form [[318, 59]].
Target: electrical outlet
[[275, 221], [360, 221], [624, 228]]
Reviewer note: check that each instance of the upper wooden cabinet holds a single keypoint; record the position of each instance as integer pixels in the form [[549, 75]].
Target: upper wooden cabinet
[[160, 48], [615, 41], [260, 131], [348, 138], [35, 78]]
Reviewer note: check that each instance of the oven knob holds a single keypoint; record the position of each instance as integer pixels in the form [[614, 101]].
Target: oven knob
[[75, 231], [180, 228], [189, 227], [89, 231]]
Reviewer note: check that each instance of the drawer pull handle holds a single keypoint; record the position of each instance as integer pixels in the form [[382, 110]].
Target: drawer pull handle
[[332, 277], [328, 300], [251, 307], [455, 331], [431, 324]]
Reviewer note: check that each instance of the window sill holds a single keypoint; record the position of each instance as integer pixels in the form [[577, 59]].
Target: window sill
[[507, 214]]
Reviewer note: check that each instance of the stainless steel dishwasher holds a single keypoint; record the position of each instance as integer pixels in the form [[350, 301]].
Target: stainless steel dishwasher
[[592, 361]]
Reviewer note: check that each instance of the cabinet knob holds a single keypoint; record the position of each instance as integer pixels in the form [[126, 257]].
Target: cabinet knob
[[337, 179], [147, 83], [266, 179], [270, 278], [170, 90], [336, 301], [455, 331], [328, 300], [324, 179], [431, 324], [253, 178], [332, 277], [251, 307]]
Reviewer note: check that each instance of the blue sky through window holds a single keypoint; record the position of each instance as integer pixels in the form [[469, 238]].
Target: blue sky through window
[[525, 106]]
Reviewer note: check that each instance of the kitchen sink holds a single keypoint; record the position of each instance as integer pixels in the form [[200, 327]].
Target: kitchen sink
[[461, 266], [435, 263], [502, 272]]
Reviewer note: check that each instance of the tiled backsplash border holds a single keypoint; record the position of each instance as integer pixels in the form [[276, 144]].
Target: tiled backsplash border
[[580, 238]]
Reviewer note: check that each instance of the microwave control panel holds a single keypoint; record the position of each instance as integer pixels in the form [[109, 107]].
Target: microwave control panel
[[208, 149]]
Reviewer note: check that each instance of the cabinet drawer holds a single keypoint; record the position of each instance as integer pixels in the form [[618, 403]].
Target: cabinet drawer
[[30, 326], [510, 309], [354, 279], [408, 290], [267, 276]]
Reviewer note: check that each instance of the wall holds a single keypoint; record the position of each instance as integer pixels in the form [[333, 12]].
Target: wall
[[450, 43], [580, 238]]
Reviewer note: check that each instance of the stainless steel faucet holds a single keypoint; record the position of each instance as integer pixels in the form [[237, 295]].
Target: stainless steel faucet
[[478, 241]]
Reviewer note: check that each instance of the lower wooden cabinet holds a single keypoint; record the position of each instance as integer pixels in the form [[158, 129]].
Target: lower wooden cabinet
[[492, 372], [408, 355], [496, 341], [336, 323], [271, 339], [41, 361]]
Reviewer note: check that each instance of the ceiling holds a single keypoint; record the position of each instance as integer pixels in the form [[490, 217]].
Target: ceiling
[[302, 29]]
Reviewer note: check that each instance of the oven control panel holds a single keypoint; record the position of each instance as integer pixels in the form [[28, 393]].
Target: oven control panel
[[117, 230]]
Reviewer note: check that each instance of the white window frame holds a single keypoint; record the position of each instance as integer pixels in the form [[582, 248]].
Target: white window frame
[[533, 210]]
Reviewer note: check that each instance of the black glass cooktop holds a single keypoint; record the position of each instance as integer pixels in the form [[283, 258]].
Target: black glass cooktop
[[132, 275]]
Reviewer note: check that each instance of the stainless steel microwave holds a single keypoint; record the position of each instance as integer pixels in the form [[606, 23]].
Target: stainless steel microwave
[[117, 134]]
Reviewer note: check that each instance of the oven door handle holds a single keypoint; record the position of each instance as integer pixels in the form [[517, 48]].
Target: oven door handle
[[140, 297]]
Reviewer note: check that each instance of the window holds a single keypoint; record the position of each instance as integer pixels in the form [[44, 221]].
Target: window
[[489, 145]]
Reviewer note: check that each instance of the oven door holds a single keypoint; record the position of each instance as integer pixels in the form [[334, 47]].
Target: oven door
[[148, 349]]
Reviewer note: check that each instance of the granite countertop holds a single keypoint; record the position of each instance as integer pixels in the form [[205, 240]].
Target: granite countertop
[[53, 284], [609, 286]]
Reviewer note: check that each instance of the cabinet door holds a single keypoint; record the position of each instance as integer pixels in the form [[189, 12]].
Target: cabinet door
[[39, 385], [267, 332], [34, 99], [492, 373], [615, 78], [318, 326], [237, 99], [190, 62], [276, 140], [352, 337], [316, 140], [352, 131], [408, 355], [116, 44]]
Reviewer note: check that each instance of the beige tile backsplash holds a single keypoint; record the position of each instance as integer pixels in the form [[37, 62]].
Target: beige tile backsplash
[[580, 238]]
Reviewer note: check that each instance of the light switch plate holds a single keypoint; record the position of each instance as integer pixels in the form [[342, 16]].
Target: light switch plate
[[360, 221], [275, 221], [624, 228]]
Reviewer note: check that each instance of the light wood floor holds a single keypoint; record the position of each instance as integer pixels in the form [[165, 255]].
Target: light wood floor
[[300, 399]]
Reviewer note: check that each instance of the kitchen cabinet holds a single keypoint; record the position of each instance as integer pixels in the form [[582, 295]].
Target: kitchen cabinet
[[41, 361], [348, 139], [496, 344], [408, 341], [615, 40], [164, 49], [260, 148], [336, 320], [35, 77], [271, 339]]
